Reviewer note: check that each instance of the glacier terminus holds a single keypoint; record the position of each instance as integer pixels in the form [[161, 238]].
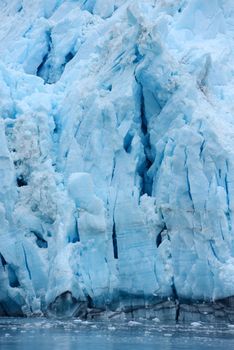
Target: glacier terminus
[[117, 158]]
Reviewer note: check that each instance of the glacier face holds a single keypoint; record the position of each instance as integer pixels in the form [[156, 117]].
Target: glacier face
[[116, 157]]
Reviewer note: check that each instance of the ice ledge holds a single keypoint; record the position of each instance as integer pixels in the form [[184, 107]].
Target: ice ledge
[[135, 308]]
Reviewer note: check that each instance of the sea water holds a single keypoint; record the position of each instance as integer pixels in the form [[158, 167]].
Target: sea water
[[45, 334]]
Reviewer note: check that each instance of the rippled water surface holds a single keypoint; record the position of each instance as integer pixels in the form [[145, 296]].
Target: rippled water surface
[[44, 334]]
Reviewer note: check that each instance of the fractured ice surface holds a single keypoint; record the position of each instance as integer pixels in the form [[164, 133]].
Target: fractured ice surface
[[116, 153]]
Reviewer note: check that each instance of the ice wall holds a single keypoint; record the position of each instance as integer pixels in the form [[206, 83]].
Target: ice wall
[[116, 154]]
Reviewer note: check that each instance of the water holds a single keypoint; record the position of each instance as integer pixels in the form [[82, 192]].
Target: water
[[44, 334]]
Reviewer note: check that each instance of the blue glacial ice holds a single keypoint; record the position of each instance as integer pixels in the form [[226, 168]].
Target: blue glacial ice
[[116, 153]]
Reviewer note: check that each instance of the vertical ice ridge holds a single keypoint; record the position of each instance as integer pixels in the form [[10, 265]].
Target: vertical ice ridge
[[187, 177], [114, 239], [26, 263], [146, 181]]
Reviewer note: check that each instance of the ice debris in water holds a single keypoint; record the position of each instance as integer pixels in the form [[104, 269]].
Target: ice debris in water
[[195, 324], [116, 156]]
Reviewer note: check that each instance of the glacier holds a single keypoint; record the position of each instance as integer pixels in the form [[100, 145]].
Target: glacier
[[116, 156]]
